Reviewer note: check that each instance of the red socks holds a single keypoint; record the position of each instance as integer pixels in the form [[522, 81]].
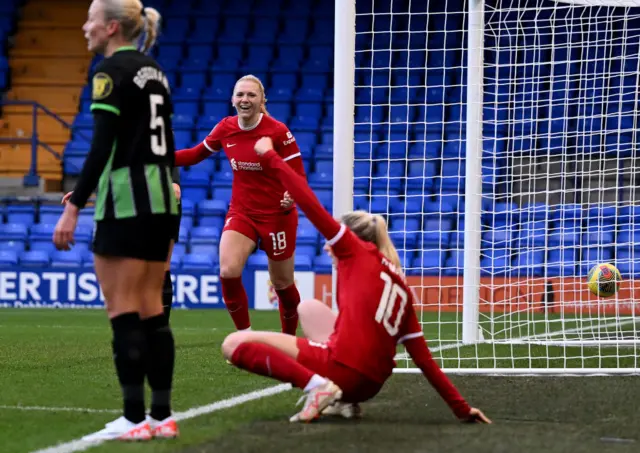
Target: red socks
[[235, 298], [268, 361], [289, 298]]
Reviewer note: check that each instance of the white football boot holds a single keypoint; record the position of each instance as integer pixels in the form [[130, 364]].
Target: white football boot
[[122, 429], [315, 401]]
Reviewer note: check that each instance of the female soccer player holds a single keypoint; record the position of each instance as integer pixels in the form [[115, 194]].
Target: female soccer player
[[348, 358], [130, 162], [260, 211]]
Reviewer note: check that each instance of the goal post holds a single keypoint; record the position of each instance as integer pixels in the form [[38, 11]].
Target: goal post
[[499, 140]]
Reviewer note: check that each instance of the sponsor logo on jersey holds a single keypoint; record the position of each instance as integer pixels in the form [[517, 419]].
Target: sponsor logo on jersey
[[290, 139], [102, 86], [237, 165]]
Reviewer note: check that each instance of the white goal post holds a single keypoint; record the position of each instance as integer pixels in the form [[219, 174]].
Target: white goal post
[[499, 140]]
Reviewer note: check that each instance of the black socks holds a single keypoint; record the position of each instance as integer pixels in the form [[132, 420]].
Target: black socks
[[159, 364], [167, 294], [129, 355]]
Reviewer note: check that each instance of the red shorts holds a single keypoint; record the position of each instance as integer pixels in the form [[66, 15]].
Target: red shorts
[[355, 386], [276, 235]]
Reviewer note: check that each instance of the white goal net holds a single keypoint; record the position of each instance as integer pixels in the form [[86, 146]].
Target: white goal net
[[499, 140]]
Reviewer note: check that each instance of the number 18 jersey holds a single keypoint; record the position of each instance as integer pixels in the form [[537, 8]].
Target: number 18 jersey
[[375, 305], [137, 178]]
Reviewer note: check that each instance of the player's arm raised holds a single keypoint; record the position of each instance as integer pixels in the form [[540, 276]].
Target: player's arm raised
[[299, 190], [417, 348], [192, 156]]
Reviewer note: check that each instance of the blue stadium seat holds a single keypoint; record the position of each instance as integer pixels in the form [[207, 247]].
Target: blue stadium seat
[[562, 262], [66, 259], [13, 232], [8, 258], [195, 185], [196, 262], [23, 214], [212, 213], [265, 34], [34, 258], [204, 235], [322, 264], [50, 213], [304, 262], [258, 260], [529, 263], [429, 261], [294, 31]]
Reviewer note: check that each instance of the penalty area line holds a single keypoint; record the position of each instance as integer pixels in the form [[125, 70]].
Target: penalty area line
[[82, 445]]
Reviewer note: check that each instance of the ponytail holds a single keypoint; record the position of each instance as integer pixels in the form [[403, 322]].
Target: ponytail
[[151, 28], [384, 243], [137, 23]]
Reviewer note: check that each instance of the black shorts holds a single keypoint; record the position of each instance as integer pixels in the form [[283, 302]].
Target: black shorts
[[144, 237]]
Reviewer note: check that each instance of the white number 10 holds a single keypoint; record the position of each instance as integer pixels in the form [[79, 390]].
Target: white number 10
[[391, 294], [159, 148]]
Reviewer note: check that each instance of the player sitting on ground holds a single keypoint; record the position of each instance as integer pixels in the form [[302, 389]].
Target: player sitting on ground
[[376, 314], [260, 212]]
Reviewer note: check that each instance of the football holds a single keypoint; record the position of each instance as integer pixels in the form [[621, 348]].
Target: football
[[604, 280]]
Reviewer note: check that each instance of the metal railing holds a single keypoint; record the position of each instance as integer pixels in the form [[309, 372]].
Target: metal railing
[[32, 178]]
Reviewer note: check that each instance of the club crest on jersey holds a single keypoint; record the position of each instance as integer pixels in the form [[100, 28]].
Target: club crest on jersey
[[102, 86]]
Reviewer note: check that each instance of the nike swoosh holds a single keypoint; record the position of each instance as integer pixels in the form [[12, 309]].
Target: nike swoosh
[[231, 145], [276, 254]]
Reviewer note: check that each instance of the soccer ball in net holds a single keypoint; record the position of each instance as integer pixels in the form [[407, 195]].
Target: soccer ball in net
[[604, 280]]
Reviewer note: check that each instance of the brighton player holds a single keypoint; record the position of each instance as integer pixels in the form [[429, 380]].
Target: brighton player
[[130, 162], [347, 358], [260, 212]]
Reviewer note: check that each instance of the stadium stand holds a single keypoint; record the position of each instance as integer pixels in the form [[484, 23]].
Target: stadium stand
[[206, 46]]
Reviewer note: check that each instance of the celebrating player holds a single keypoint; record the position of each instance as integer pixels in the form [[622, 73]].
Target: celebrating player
[[261, 211], [130, 162], [350, 357]]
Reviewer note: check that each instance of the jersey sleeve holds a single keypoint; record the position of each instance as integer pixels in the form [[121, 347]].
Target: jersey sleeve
[[213, 141], [106, 88], [411, 328], [344, 244], [285, 144]]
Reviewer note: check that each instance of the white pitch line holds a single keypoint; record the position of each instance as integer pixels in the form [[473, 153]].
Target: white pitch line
[[82, 445], [60, 409]]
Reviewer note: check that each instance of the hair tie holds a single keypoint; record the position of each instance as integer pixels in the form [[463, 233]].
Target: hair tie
[[142, 13]]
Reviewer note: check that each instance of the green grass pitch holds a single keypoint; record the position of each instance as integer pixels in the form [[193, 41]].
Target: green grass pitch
[[57, 384]]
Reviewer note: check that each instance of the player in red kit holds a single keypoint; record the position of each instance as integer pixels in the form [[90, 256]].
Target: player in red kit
[[260, 212], [347, 358]]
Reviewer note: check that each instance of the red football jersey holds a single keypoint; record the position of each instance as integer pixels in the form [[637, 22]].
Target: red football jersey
[[375, 314], [255, 191]]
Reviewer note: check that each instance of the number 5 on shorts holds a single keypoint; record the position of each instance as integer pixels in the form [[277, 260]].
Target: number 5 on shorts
[[279, 241]]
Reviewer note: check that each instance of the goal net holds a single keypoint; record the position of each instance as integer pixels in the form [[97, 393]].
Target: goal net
[[499, 140]]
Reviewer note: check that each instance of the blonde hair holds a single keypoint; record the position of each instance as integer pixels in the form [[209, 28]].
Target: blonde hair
[[373, 228], [134, 19], [257, 81]]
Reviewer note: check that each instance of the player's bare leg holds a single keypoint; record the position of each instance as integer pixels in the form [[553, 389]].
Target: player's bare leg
[[281, 276], [316, 319], [318, 322], [235, 249], [274, 355]]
